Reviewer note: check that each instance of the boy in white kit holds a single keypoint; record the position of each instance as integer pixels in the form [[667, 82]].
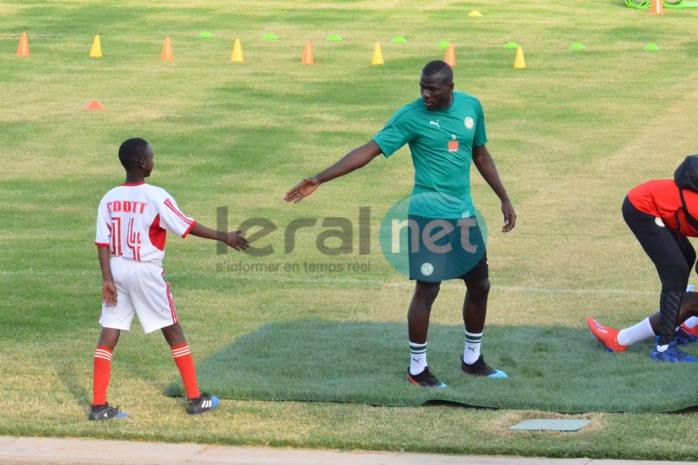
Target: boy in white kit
[[132, 224]]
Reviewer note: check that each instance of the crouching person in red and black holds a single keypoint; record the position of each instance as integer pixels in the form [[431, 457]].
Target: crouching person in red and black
[[659, 213]]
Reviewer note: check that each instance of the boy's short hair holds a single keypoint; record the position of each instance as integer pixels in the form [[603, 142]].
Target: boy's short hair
[[132, 151]]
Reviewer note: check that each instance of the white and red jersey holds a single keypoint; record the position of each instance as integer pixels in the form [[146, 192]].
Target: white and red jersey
[[133, 220]]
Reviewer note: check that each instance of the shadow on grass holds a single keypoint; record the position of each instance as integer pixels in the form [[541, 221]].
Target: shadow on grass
[[65, 369], [553, 368]]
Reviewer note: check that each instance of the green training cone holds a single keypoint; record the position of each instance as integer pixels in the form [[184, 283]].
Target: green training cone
[[398, 40], [334, 38], [443, 44], [205, 35], [270, 36], [511, 45], [578, 46], [651, 47]]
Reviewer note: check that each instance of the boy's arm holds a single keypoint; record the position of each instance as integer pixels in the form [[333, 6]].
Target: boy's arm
[[108, 287], [233, 239]]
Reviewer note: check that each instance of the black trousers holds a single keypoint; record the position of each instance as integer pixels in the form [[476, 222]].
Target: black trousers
[[672, 255]]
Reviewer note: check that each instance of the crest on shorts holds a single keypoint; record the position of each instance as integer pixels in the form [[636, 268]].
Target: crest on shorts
[[432, 249]]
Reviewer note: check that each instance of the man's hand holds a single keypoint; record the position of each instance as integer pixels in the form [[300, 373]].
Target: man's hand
[[302, 190], [509, 216], [236, 240], [109, 294]]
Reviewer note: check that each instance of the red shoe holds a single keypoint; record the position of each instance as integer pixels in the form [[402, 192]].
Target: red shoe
[[692, 331], [606, 335]]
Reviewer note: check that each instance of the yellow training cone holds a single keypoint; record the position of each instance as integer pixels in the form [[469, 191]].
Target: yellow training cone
[[519, 61], [96, 50], [237, 52], [377, 55]]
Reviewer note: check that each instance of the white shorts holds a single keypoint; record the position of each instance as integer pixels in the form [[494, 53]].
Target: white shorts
[[140, 290]]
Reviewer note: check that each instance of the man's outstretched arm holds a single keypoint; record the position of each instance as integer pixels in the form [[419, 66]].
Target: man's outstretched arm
[[357, 158]]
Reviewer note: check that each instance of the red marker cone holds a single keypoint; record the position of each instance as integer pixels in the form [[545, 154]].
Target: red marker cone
[[23, 49], [450, 56], [657, 7], [94, 105], [167, 50], [308, 54]]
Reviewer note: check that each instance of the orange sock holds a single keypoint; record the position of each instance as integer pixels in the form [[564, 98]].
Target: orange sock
[[185, 363], [102, 373]]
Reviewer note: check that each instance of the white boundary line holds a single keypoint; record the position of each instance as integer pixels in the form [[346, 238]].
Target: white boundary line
[[362, 282], [408, 283]]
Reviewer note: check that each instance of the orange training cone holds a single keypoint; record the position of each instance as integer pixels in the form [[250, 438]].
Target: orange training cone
[[23, 49], [519, 61], [94, 105], [450, 55], [237, 52], [377, 55], [308, 54], [657, 7], [96, 50], [167, 50]]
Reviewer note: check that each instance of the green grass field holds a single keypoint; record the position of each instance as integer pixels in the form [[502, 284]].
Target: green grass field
[[571, 135]]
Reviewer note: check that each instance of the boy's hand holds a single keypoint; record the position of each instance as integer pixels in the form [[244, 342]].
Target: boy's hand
[[109, 294], [302, 190], [236, 240]]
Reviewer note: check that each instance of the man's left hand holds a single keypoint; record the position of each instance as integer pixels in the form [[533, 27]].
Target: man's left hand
[[509, 216]]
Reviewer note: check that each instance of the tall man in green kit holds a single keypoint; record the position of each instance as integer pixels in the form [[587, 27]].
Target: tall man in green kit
[[445, 130]]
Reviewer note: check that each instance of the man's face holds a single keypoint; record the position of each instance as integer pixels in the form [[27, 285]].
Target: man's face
[[436, 91]]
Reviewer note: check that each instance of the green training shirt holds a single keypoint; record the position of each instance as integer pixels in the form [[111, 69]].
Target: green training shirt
[[441, 142]]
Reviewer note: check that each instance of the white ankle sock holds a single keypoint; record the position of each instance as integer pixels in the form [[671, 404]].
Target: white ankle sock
[[471, 353], [418, 358], [691, 322], [636, 333]]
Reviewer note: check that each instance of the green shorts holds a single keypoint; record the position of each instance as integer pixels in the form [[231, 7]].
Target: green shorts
[[443, 249]]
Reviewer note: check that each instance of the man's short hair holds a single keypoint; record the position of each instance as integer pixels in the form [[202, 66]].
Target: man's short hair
[[132, 151], [438, 68]]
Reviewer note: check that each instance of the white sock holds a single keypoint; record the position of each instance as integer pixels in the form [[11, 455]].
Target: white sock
[[662, 348], [636, 333], [471, 353], [691, 322], [418, 358]]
